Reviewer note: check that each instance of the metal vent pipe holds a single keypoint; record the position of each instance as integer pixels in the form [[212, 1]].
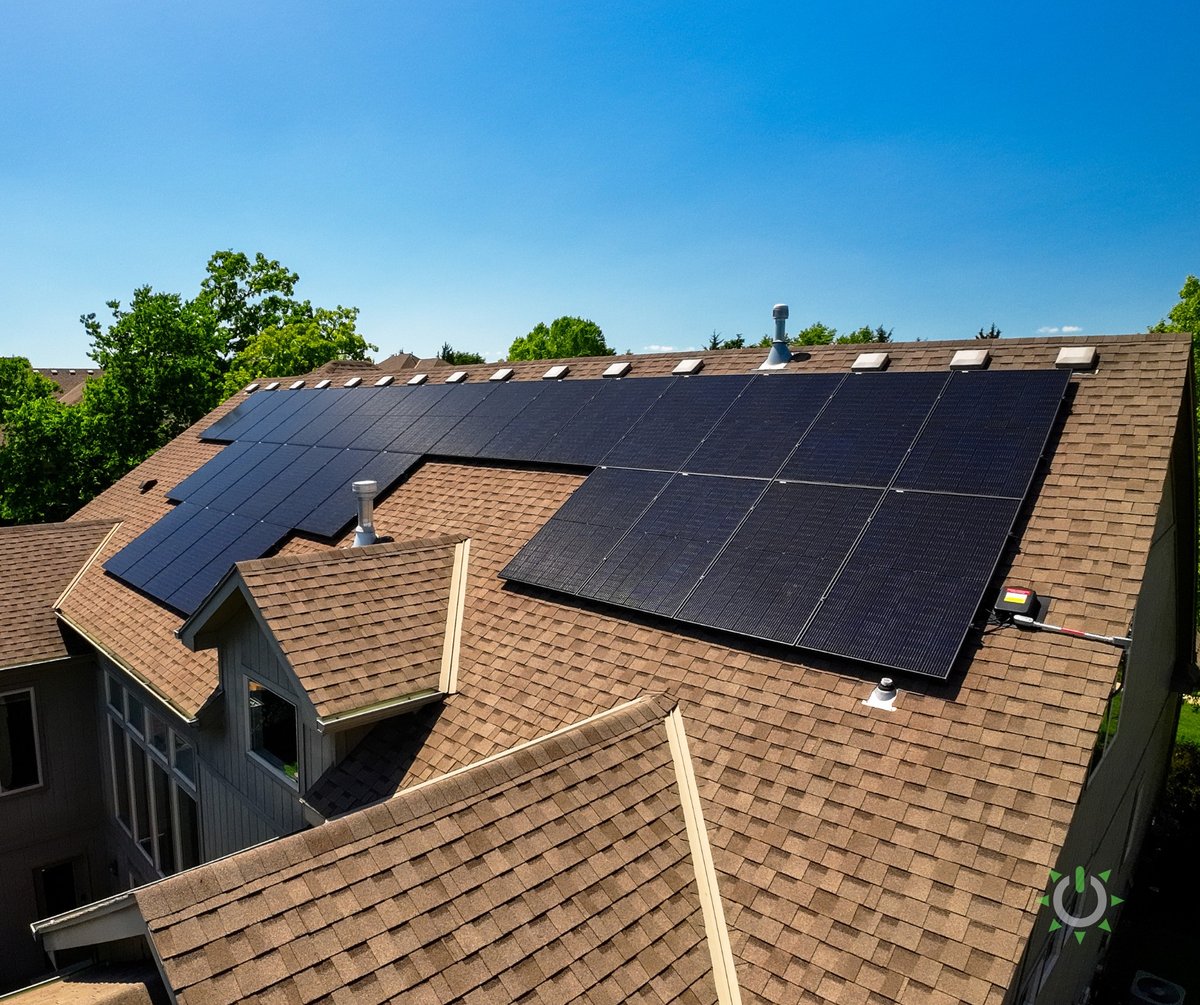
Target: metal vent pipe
[[364, 493]]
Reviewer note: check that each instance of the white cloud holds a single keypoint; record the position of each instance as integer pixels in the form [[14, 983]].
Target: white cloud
[[658, 348], [1063, 330], [1047, 331], [1071, 329]]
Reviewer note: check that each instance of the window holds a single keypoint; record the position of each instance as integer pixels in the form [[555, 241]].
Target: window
[[154, 783], [273, 730], [20, 765]]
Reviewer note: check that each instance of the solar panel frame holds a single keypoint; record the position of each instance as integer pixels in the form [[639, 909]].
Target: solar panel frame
[[220, 431], [922, 552], [987, 433], [674, 425], [780, 562], [866, 429], [763, 425]]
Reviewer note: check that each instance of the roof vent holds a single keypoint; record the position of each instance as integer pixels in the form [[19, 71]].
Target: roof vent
[[70, 371], [457, 377], [364, 493], [970, 359], [504, 373], [556, 372], [687, 367], [252, 387], [1076, 357], [353, 382], [780, 355], [52, 370], [617, 369], [320, 384], [418, 378], [884, 696], [273, 386], [386, 379], [295, 385], [870, 361]]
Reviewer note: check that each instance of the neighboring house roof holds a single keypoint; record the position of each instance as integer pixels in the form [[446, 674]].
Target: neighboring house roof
[[70, 381], [857, 851], [565, 870], [359, 628], [39, 561], [131, 984]]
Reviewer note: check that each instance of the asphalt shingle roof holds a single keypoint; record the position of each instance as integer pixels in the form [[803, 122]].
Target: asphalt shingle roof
[[861, 855]]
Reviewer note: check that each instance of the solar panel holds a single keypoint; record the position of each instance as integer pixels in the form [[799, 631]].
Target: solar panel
[[248, 541], [469, 437], [290, 418], [910, 589], [535, 425], [658, 563], [986, 433], [763, 425], [219, 430], [572, 543], [333, 502], [188, 524], [673, 426], [864, 432], [137, 549], [778, 565], [238, 481], [336, 404], [230, 454], [602, 420]]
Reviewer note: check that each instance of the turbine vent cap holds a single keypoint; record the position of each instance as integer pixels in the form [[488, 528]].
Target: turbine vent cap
[[780, 312]]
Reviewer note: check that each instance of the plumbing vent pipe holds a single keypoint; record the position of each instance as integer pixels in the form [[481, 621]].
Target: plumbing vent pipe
[[364, 493], [884, 696], [780, 355]]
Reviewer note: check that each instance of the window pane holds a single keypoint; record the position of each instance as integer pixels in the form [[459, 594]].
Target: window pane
[[116, 737], [273, 729], [185, 759], [113, 692], [18, 742], [156, 732], [189, 829], [137, 714], [141, 800], [164, 830]]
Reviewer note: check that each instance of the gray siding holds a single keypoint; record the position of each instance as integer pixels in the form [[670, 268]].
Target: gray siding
[[57, 822], [1113, 814]]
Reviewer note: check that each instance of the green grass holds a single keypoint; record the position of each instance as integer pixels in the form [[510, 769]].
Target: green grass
[[1189, 724]]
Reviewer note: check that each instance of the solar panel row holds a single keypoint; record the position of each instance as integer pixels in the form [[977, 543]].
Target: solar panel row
[[759, 504]]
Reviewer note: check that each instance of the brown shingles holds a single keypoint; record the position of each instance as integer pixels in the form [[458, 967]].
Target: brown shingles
[[128, 984], [792, 770], [598, 912], [38, 562]]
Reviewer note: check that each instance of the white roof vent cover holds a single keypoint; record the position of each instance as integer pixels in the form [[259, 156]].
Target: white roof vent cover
[[970, 359]]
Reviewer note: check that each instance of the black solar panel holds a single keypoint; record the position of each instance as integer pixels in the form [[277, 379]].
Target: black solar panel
[[251, 541], [294, 408], [986, 433], [763, 425], [473, 432], [241, 479], [187, 525], [535, 425], [334, 405], [864, 432], [593, 430], [333, 501], [219, 430], [565, 552], [769, 579], [673, 426], [910, 589], [658, 563], [124, 560]]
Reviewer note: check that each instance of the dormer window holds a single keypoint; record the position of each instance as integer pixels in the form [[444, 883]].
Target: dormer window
[[273, 731]]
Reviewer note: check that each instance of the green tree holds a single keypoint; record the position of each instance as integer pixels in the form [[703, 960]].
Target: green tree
[[248, 296], [20, 382], [566, 337], [866, 334], [162, 371], [47, 467], [819, 333], [298, 345], [458, 357], [992, 332], [715, 342]]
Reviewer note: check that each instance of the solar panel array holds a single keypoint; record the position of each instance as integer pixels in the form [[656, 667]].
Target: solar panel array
[[855, 514]]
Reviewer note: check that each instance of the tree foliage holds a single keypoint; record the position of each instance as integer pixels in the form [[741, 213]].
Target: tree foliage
[[1185, 315], [992, 332], [20, 382], [819, 333], [298, 345], [166, 361], [715, 342], [458, 357], [565, 337]]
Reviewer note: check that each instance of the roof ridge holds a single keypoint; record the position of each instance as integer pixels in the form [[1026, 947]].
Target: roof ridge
[[333, 556]]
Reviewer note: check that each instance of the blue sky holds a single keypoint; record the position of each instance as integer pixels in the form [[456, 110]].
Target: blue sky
[[461, 171]]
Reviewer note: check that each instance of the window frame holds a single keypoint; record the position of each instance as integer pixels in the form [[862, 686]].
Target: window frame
[[276, 772], [178, 785], [37, 743]]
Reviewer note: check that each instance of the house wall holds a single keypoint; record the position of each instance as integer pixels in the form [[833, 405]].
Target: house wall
[[1113, 815], [56, 823]]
